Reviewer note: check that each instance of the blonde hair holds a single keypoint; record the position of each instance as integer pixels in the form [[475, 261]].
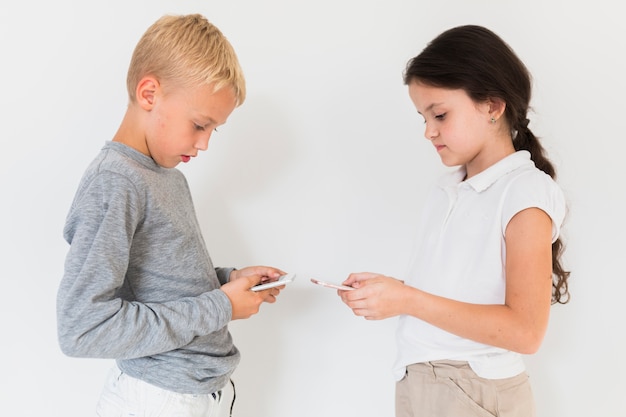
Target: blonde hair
[[186, 51]]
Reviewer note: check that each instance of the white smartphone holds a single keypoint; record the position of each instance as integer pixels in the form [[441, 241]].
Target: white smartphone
[[282, 280], [331, 285]]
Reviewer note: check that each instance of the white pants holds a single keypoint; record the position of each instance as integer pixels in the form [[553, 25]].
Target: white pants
[[125, 396]]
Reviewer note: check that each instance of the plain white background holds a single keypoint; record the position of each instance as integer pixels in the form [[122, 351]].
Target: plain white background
[[322, 172]]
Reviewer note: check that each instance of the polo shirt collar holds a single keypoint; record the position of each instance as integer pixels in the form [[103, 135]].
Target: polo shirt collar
[[485, 179]]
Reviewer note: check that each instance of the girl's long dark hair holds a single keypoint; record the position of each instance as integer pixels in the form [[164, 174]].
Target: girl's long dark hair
[[475, 59]]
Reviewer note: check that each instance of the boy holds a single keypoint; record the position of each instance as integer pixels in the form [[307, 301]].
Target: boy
[[139, 285]]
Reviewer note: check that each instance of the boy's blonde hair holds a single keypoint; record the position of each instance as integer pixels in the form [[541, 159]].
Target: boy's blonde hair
[[186, 51]]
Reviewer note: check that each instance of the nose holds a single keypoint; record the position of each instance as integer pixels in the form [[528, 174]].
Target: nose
[[202, 143], [430, 132]]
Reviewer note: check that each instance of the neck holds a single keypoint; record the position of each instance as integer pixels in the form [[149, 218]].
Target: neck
[[131, 132], [485, 159]]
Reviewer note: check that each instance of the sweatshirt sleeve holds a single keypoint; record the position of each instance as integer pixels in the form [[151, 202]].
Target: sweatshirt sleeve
[[93, 319], [223, 274]]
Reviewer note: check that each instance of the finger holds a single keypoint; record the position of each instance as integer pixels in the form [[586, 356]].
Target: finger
[[360, 276], [352, 278], [360, 312], [254, 279], [358, 305], [269, 295], [264, 271], [270, 271], [354, 296]]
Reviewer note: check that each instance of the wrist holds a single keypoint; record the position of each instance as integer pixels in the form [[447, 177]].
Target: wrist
[[233, 275]]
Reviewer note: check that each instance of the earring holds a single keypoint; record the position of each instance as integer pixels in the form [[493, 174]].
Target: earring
[[493, 120]]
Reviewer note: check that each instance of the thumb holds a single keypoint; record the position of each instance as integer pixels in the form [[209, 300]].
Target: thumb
[[254, 279]]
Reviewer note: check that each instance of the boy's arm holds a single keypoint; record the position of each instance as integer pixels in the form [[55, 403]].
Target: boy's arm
[[93, 321]]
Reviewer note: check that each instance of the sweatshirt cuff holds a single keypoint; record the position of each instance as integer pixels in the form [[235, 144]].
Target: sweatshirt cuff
[[223, 274]]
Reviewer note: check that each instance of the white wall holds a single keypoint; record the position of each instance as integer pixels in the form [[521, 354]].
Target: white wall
[[321, 172]]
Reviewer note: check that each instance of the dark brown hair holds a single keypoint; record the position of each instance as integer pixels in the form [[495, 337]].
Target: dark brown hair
[[478, 61]]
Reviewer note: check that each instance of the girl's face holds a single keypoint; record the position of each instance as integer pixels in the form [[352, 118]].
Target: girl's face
[[459, 128], [181, 122]]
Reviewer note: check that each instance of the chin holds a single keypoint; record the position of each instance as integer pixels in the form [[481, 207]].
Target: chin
[[450, 163], [167, 165]]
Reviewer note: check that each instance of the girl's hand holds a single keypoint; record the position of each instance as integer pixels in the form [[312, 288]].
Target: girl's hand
[[355, 280], [376, 296]]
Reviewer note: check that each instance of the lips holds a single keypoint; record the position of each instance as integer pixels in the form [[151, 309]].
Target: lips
[[185, 158]]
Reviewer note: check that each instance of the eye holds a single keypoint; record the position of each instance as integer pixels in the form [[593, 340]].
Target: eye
[[215, 130], [198, 127], [440, 116]]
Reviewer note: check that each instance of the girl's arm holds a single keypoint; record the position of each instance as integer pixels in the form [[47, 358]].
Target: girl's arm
[[518, 325]]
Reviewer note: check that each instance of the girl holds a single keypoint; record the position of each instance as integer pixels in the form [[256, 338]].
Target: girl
[[487, 264]]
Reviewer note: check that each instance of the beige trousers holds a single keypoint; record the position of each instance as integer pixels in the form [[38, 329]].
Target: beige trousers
[[452, 389]]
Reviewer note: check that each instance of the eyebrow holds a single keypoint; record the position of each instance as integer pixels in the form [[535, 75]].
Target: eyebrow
[[210, 120], [430, 107]]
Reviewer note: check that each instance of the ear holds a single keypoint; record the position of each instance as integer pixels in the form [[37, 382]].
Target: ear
[[496, 107], [146, 92]]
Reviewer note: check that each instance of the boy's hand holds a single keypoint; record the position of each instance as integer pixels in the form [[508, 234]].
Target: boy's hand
[[267, 273], [245, 302]]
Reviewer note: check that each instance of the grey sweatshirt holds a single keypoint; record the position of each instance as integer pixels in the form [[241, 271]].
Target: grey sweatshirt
[[139, 285]]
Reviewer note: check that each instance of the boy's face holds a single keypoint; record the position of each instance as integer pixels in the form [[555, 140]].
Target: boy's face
[[180, 123]]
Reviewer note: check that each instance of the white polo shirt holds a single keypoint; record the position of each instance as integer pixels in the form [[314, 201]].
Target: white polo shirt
[[461, 255]]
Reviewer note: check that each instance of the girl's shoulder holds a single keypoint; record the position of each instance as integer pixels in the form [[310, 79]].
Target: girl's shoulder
[[531, 187], [529, 178]]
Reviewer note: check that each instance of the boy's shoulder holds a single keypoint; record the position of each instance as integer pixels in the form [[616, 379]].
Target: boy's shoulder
[[119, 158], [115, 155], [117, 163]]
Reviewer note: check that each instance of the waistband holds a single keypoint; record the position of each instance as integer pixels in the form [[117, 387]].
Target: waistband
[[443, 369]]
